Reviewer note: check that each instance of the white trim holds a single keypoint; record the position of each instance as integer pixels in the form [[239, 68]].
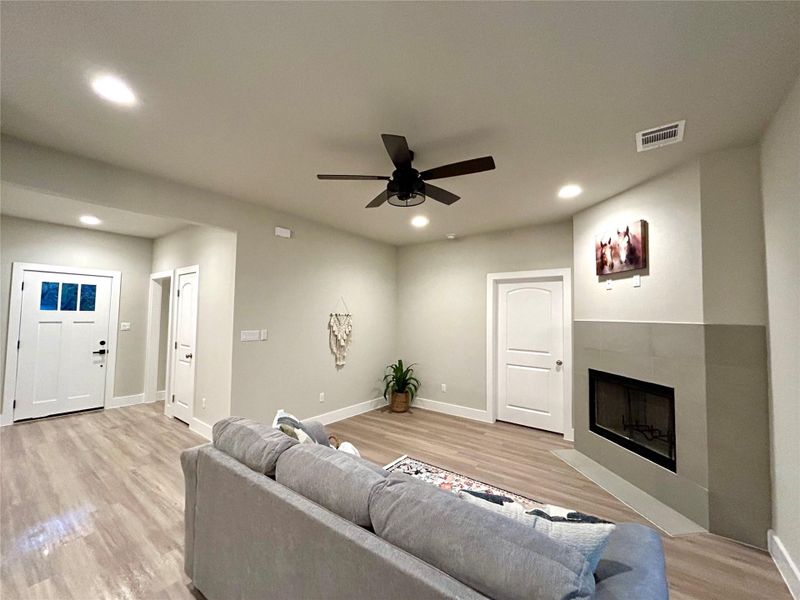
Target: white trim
[[348, 411], [154, 317], [492, 281], [455, 410], [644, 322], [15, 315], [120, 401], [201, 428], [786, 566]]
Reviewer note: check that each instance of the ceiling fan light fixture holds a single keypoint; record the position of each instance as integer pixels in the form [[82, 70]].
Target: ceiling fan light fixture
[[406, 200]]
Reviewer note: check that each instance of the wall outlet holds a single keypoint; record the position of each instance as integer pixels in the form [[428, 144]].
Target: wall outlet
[[322, 396], [125, 326], [250, 335], [444, 388], [264, 336], [203, 402]]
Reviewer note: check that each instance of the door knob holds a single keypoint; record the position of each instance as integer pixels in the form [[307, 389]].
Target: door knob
[[559, 363], [189, 356]]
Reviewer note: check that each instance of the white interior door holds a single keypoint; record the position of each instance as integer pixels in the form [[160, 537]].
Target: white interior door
[[63, 343], [530, 348], [185, 345]]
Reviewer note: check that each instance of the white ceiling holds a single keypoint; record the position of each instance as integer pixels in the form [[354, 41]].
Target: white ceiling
[[25, 203], [253, 99]]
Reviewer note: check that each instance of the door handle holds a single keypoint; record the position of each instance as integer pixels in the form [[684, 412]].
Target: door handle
[[101, 351], [189, 355], [559, 363]]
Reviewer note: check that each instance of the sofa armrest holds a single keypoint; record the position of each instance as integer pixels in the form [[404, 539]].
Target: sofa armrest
[[189, 466], [632, 566]]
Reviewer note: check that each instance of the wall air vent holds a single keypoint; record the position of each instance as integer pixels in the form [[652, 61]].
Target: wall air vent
[[660, 136]]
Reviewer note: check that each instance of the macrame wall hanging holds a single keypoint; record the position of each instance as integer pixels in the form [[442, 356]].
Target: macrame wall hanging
[[341, 329]]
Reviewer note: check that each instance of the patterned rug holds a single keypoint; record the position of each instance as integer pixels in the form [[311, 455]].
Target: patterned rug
[[451, 481]]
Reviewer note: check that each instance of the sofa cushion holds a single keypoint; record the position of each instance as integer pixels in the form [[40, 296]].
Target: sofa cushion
[[488, 552], [338, 481], [251, 443]]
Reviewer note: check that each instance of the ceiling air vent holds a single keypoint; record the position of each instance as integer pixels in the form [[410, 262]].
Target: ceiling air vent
[[660, 136]]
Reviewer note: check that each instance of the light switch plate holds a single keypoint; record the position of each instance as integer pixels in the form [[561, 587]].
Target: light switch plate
[[609, 285], [637, 281], [250, 335], [444, 388], [125, 326]]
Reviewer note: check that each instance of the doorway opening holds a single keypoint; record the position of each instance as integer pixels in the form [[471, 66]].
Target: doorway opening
[[529, 349], [159, 336]]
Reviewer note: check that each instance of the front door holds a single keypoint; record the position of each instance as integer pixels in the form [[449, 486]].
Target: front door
[[185, 342], [63, 343], [530, 347]]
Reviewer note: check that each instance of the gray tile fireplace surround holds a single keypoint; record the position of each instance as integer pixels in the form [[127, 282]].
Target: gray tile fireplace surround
[[719, 373]]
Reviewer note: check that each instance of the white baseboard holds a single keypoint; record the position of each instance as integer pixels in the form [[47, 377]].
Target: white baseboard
[[348, 411], [569, 434], [120, 401], [201, 428], [452, 409], [787, 567], [161, 395]]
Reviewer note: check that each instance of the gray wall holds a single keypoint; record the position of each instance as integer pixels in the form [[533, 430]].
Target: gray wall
[[780, 171], [22, 240], [287, 286], [441, 322], [214, 251]]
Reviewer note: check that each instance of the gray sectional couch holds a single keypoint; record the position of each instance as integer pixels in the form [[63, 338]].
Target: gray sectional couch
[[269, 518]]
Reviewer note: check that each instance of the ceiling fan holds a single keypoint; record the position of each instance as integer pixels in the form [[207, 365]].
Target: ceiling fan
[[409, 187]]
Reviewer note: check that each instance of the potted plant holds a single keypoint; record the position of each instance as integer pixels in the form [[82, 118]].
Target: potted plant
[[401, 384]]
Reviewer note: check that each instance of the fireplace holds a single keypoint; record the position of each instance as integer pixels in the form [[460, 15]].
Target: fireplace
[[637, 415]]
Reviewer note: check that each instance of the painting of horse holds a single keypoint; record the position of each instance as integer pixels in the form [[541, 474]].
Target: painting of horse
[[624, 249]]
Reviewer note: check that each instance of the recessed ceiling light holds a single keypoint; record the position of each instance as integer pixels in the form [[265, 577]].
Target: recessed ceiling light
[[90, 220], [570, 190], [113, 89], [420, 221], [451, 236]]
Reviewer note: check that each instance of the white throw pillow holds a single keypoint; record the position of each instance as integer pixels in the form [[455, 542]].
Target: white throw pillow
[[588, 538]]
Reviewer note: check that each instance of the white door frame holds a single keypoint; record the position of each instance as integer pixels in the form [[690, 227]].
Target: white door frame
[[14, 322], [151, 356], [492, 282], [173, 310]]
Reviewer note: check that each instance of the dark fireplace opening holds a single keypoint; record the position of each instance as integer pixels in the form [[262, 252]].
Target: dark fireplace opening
[[637, 415]]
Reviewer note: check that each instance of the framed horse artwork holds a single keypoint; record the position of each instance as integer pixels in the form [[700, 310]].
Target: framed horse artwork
[[622, 250]]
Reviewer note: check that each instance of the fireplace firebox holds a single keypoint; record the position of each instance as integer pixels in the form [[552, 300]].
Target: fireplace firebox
[[637, 415]]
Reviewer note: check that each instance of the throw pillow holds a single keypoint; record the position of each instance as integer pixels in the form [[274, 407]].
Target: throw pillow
[[589, 535]]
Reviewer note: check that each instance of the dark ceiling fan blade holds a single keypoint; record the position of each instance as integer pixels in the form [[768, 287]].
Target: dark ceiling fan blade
[[355, 177], [379, 199], [440, 195], [465, 167], [397, 147]]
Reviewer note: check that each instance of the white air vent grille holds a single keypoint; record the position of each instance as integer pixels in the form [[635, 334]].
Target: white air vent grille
[[660, 136]]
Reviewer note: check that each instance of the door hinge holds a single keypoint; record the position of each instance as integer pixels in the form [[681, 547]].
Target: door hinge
[[23, 285], [179, 293], [173, 398], [176, 345], [17, 344], [14, 405]]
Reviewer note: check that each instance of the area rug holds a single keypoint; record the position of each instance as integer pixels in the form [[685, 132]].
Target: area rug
[[451, 481]]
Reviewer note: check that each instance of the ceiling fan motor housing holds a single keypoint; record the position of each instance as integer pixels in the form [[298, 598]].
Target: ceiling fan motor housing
[[406, 188]]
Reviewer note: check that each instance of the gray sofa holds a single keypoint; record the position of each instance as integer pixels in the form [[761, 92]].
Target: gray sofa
[[266, 517]]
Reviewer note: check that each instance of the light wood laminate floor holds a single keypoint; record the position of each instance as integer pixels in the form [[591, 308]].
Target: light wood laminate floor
[[91, 505]]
